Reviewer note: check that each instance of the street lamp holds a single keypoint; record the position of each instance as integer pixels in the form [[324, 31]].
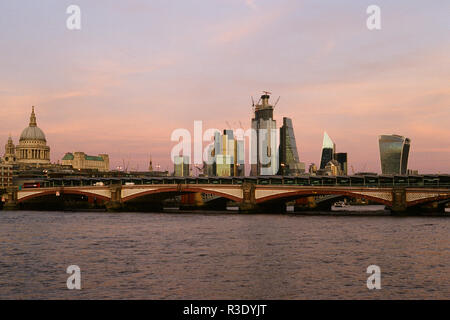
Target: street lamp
[[282, 165]]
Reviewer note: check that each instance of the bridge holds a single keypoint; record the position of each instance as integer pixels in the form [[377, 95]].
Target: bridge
[[399, 193]]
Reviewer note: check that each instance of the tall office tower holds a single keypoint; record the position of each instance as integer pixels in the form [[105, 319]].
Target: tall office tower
[[209, 166], [341, 157], [288, 154], [228, 155], [266, 160], [225, 157], [328, 149], [394, 152], [181, 166], [239, 168]]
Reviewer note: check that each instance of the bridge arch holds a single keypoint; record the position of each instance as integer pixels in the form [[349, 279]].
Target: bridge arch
[[62, 192], [178, 191], [292, 195], [441, 198]]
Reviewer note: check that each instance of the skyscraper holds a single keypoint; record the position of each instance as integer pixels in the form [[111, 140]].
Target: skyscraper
[[288, 154], [328, 150], [341, 157], [227, 155], [265, 146], [181, 166], [394, 152]]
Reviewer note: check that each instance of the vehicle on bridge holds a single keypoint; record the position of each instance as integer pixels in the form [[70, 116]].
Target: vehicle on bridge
[[29, 185]]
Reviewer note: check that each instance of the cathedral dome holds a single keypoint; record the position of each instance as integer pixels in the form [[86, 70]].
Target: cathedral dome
[[32, 132]]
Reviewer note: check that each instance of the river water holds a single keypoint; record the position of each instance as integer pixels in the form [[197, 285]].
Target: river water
[[222, 256]]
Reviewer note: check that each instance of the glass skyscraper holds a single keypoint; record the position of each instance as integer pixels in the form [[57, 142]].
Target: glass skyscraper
[[341, 157], [328, 150], [225, 156], [181, 166], [289, 160], [394, 152]]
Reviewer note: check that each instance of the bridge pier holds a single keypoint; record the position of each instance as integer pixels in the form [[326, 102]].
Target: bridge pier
[[115, 204], [10, 199], [399, 204], [248, 204]]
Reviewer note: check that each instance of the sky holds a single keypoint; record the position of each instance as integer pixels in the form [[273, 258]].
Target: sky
[[139, 69]]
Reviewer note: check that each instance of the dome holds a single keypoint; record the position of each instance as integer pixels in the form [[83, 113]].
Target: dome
[[32, 132]]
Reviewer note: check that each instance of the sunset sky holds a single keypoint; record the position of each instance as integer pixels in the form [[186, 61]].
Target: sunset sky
[[139, 69]]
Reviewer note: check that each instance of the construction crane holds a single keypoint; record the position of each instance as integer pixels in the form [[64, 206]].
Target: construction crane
[[277, 102], [200, 169], [125, 167]]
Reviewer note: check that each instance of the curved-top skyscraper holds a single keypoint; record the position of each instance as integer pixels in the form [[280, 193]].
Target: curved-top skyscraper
[[394, 152]]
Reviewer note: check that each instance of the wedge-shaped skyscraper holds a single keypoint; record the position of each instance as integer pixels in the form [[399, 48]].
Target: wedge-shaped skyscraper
[[289, 160]]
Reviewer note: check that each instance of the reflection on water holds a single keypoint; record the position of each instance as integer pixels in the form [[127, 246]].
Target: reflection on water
[[222, 256], [361, 208]]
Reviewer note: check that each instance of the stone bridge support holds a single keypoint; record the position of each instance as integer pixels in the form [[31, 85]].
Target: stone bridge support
[[399, 204], [248, 203], [10, 198], [115, 204]]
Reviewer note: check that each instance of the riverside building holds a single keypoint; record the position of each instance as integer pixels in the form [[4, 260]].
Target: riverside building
[[82, 161]]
